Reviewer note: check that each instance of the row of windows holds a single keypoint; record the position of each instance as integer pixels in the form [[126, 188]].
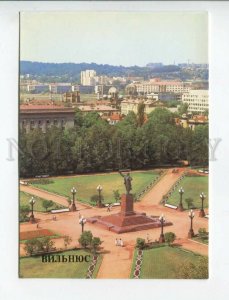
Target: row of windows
[[32, 122]]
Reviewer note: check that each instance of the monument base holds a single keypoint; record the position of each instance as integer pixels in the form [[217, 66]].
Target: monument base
[[127, 220], [134, 222]]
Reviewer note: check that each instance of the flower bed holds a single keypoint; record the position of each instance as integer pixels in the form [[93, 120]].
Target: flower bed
[[138, 263], [28, 235], [91, 267]]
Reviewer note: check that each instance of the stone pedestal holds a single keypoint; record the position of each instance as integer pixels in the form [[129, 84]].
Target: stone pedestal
[[191, 234], [73, 207], [202, 213], [162, 238], [32, 219], [127, 205], [127, 219], [180, 207]]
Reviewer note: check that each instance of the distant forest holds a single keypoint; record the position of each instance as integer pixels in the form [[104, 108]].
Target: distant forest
[[71, 71]]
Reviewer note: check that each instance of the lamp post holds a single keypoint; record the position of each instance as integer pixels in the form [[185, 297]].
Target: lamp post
[[162, 236], [31, 218], [99, 189], [202, 212], [73, 206], [181, 192], [82, 222], [191, 216]]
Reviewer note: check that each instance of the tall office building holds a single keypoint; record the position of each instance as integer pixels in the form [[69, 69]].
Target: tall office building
[[88, 77]]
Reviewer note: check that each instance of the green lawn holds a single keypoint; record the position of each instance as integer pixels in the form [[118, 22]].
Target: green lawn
[[33, 267], [25, 197], [86, 185], [192, 186], [164, 262]]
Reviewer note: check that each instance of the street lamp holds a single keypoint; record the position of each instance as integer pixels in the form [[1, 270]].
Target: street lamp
[[82, 222], [202, 212], [162, 236], [191, 216], [31, 218], [73, 206], [181, 192], [99, 189]]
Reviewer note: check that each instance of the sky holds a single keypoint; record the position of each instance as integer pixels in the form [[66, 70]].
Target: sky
[[115, 38]]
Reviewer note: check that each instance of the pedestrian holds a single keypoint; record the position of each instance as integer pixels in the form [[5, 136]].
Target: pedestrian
[[37, 225], [116, 242], [121, 242], [108, 207], [147, 238]]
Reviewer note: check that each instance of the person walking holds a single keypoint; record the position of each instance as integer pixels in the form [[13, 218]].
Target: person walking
[[116, 242], [121, 242]]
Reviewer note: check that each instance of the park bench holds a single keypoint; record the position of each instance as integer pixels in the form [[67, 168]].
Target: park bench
[[23, 182], [56, 211], [170, 206], [113, 204]]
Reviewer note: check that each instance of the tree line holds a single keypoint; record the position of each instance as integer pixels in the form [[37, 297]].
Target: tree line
[[94, 145]]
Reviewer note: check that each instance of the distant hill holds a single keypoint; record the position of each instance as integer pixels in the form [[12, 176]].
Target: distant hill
[[72, 70]]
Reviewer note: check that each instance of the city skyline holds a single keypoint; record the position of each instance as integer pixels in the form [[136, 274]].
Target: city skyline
[[182, 36]]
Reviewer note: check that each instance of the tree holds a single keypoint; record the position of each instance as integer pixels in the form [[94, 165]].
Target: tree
[[47, 244], [183, 109], [47, 204], [67, 240], [117, 195], [31, 246], [140, 243], [170, 237], [24, 211], [141, 114], [199, 270], [95, 198], [189, 202], [95, 243], [85, 239]]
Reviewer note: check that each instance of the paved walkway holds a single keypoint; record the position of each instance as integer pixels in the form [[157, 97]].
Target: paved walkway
[[117, 261]]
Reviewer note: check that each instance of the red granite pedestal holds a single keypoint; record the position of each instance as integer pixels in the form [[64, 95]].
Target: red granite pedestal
[[127, 219]]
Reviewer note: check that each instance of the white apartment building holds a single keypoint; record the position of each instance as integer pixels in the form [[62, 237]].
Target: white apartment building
[[162, 86], [129, 105], [197, 100], [88, 77]]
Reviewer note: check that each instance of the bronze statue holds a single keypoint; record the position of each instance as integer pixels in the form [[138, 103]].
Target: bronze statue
[[127, 182]]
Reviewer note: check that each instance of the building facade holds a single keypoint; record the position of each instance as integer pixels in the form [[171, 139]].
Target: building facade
[[88, 77], [129, 105], [44, 116], [197, 100]]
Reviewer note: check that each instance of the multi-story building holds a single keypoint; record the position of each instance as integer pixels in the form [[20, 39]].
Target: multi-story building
[[102, 110], [129, 105], [88, 77], [71, 97], [44, 116], [60, 87], [158, 86], [197, 100]]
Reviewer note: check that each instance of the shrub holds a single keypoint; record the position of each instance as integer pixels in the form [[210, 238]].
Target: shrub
[[169, 237], [117, 195], [95, 243], [85, 239], [23, 214], [47, 204], [140, 243]]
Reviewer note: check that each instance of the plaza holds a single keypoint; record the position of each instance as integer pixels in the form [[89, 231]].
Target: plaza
[[116, 262]]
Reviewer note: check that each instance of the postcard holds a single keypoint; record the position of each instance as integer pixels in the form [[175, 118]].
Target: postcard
[[113, 137]]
